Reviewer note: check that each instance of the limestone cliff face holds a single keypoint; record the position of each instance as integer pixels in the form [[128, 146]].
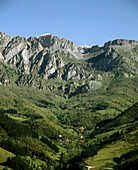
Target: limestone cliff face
[[4, 78], [4, 40], [120, 42], [55, 43], [41, 59], [117, 54], [16, 54], [46, 63], [42, 54]]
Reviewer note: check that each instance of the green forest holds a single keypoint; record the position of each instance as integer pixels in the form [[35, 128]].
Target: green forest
[[37, 131]]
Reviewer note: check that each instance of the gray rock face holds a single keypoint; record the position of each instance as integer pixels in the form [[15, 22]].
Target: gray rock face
[[45, 57], [84, 49], [99, 77], [92, 85], [55, 43], [4, 79], [95, 48], [14, 47], [16, 54], [118, 54], [34, 47], [1, 56], [73, 72], [120, 42], [42, 54], [4, 40], [46, 63], [69, 72]]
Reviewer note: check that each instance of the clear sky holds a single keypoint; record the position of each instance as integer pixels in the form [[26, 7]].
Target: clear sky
[[87, 22]]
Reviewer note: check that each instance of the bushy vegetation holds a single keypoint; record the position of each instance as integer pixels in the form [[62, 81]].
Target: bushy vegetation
[[129, 115], [17, 163], [127, 160], [14, 129]]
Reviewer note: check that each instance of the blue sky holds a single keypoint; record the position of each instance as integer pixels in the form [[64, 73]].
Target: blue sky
[[87, 22]]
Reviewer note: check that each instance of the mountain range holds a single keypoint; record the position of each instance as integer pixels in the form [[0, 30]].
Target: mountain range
[[72, 99], [49, 57]]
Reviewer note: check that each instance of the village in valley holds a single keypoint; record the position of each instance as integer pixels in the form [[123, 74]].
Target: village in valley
[[74, 139]]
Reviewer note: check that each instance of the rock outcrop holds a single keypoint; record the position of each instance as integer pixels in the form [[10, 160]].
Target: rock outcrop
[[55, 43], [118, 54], [120, 42], [80, 68], [4, 78], [4, 40]]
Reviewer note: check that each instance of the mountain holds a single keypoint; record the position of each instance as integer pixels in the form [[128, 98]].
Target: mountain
[[55, 96], [105, 74], [117, 54], [48, 56]]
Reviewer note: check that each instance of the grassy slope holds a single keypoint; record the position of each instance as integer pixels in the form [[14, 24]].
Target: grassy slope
[[123, 144], [128, 116], [126, 143], [4, 154]]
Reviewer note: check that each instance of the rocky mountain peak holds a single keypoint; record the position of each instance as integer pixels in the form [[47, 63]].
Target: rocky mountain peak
[[43, 35], [55, 43], [38, 60], [120, 42], [4, 40]]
